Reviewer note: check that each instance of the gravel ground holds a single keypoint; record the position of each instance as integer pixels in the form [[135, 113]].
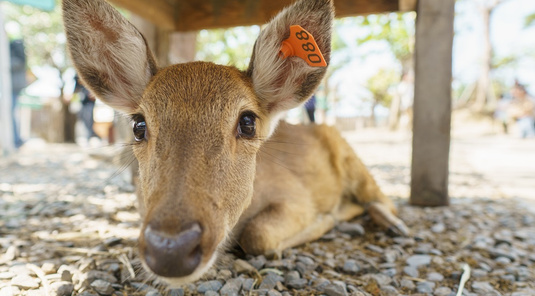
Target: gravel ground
[[69, 227]]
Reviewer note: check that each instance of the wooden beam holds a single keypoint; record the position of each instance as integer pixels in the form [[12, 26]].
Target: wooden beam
[[159, 12], [432, 103], [203, 14]]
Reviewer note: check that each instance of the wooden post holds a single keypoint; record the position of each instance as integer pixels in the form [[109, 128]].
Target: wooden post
[[432, 103]]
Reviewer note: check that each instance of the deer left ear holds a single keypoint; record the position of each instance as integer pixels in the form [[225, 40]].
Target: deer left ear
[[282, 82]]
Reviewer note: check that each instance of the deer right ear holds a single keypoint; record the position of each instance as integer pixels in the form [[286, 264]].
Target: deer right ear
[[110, 54], [283, 83]]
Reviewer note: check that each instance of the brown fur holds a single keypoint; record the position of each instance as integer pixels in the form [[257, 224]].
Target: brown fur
[[269, 192]]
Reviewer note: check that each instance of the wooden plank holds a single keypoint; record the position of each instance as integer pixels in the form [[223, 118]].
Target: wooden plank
[[432, 103], [159, 12], [197, 15]]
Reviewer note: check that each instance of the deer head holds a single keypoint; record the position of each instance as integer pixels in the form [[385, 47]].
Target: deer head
[[197, 126]]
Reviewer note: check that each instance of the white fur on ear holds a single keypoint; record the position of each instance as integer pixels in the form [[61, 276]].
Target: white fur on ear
[[282, 83], [110, 54]]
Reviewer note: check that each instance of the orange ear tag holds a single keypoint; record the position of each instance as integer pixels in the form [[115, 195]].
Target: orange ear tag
[[302, 44]]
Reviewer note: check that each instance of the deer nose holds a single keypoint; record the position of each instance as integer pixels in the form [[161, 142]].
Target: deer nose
[[173, 255]]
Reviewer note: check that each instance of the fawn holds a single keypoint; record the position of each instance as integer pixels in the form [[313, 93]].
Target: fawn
[[215, 164]]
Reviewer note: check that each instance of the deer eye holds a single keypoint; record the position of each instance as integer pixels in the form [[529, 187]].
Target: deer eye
[[247, 125], [140, 129]]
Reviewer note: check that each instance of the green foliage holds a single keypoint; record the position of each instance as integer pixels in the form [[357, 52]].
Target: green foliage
[[530, 20], [42, 32], [396, 29], [380, 85], [231, 46]]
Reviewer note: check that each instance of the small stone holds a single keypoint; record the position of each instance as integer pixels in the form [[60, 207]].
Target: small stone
[[435, 277], [176, 292], [423, 248], [425, 287], [351, 267], [291, 275], [7, 275], [66, 276], [503, 260], [258, 262], [62, 288], [242, 266], [25, 281], [247, 284], [112, 241], [335, 290], [484, 288], [224, 275], [389, 290], [374, 248], [419, 260], [438, 228], [305, 260], [443, 291], [390, 272], [407, 284], [297, 284], [273, 292], [411, 271], [270, 281], [49, 268], [232, 287], [102, 287], [320, 283], [10, 290], [353, 229], [380, 279], [214, 285], [211, 293]]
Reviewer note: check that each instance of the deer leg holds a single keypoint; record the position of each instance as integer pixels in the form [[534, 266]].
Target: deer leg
[[364, 188], [287, 223]]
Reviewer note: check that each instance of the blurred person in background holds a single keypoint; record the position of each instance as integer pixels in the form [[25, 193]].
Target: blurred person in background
[[310, 106], [522, 109], [88, 106], [18, 82]]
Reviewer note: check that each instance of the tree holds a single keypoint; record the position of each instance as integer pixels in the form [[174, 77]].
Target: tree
[[380, 86], [397, 30], [232, 46], [484, 93], [530, 20], [44, 41]]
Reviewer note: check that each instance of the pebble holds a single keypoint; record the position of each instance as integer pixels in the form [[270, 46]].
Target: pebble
[[425, 287], [232, 287], [213, 285], [258, 262], [351, 267], [411, 271], [443, 291], [435, 277], [335, 290], [407, 284], [419, 260], [353, 229], [25, 281], [62, 288], [270, 281], [102, 287]]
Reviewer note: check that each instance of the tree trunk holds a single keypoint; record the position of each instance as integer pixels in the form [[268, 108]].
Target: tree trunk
[[69, 120], [432, 103], [484, 82]]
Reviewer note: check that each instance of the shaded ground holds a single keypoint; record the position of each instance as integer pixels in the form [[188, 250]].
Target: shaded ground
[[67, 227]]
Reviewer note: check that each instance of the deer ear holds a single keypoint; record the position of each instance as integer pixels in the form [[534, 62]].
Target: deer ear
[[283, 83], [110, 54]]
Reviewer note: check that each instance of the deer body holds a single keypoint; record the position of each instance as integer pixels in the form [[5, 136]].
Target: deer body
[[215, 165]]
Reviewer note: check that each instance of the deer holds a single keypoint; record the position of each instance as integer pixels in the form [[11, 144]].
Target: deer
[[217, 166]]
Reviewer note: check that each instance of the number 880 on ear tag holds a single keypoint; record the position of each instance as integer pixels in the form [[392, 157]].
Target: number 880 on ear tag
[[302, 44]]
